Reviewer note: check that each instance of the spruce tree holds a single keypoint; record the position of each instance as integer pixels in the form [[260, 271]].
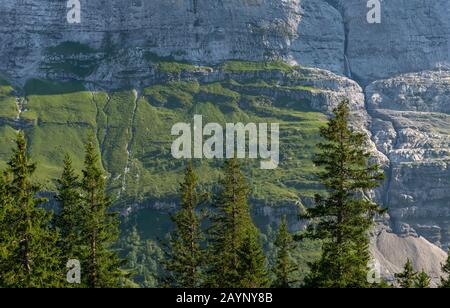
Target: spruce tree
[[100, 265], [185, 258], [422, 281], [406, 278], [30, 258], [343, 218], [68, 221], [445, 281], [233, 234], [284, 266], [6, 207], [252, 263]]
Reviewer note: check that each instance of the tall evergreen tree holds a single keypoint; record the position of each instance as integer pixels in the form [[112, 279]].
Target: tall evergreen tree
[[252, 263], [100, 264], [6, 208], [343, 218], [185, 258], [445, 281], [30, 259], [233, 234], [68, 221], [422, 281], [284, 266], [407, 278]]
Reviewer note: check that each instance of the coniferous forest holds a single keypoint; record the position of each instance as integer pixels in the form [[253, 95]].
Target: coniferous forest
[[214, 241]]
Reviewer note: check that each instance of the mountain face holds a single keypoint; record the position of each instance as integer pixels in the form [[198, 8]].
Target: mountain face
[[200, 31], [131, 69]]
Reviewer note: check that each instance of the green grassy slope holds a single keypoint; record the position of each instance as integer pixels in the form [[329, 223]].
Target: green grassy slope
[[133, 132]]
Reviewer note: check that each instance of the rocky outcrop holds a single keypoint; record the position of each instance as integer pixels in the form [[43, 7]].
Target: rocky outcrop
[[392, 251], [411, 126], [414, 35], [118, 35]]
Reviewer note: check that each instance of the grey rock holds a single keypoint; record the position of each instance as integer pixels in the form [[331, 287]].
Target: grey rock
[[414, 35], [121, 32], [411, 126], [391, 252]]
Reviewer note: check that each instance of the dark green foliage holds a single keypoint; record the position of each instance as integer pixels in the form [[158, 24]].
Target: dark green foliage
[[252, 263], [185, 260], [406, 278], [445, 281], [100, 227], [285, 267], [383, 285], [422, 281], [143, 260], [233, 235], [6, 207], [28, 254], [343, 218], [68, 221]]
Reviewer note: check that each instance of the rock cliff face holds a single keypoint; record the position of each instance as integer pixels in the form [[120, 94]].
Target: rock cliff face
[[396, 73], [413, 35], [201, 31], [411, 126]]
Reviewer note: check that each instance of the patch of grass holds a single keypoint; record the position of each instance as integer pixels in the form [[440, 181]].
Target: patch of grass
[[217, 90], [7, 139], [248, 66], [170, 65], [8, 108], [118, 131], [175, 94], [65, 113], [151, 147], [177, 67], [48, 144], [45, 87], [306, 88], [65, 109]]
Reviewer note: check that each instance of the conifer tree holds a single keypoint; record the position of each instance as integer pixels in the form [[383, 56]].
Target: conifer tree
[[6, 207], [30, 258], [445, 281], [100, 264], [284, 266], [343, 218], [422, 280], [406, 278], [68, 221], [186, 258], [233, 234], [252, 263]]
